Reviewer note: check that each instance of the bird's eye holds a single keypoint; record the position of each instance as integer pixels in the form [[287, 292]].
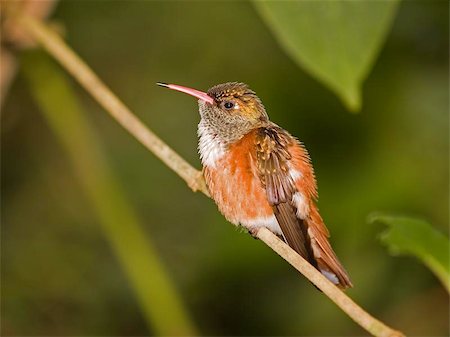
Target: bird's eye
[[228, 105]]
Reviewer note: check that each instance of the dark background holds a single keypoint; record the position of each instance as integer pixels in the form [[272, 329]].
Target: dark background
[[59, 275]]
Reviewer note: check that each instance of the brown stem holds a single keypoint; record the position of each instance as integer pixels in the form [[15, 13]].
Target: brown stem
[[56, 47], [358, 314]]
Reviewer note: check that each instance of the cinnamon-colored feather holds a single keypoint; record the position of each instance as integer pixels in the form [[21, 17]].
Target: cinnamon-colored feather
[[277, 153], [323, 253]]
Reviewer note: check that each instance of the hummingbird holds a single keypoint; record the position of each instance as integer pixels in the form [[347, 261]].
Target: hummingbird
[[259, 175]]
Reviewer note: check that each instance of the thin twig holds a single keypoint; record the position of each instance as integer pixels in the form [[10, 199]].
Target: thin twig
[[56, 47], [116, 216], [358, 314]]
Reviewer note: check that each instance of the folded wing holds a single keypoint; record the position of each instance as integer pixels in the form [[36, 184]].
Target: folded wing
[[285, 172]]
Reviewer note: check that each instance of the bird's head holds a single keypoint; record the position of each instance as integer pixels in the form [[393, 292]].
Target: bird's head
[[231, 104]]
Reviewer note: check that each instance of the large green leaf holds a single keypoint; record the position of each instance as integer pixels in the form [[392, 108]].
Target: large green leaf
[[418, 238], [335, 41]]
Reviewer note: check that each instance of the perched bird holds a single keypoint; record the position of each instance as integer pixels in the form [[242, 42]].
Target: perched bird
[[259, 175]]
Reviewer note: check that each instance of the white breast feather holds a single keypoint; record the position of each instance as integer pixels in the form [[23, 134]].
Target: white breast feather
[[209, 146], [269, 222]]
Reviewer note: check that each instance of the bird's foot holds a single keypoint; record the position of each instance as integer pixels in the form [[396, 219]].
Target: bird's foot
[[253, 232]]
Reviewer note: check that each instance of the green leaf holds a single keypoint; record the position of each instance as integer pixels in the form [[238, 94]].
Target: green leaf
[[417, 237], [335, 41]]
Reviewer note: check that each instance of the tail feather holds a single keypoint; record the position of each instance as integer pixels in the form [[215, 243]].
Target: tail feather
[[327, 261]]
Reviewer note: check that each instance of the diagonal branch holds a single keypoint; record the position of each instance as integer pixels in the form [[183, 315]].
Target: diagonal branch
[[56, 47]]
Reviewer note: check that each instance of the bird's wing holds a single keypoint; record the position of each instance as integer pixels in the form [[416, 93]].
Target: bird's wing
[[272, 158], [277, 154]]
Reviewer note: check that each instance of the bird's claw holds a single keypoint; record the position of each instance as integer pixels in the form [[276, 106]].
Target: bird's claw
[[253, 232]]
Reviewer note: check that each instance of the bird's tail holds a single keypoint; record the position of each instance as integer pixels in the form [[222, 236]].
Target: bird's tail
[[326, 260]]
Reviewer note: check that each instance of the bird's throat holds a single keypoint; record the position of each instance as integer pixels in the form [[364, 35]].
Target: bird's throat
[[214, 139]]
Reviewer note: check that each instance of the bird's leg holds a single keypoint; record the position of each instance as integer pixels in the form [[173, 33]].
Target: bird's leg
[[253, 232]]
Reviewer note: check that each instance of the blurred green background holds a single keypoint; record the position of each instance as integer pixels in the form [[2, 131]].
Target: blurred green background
[[59, 273]]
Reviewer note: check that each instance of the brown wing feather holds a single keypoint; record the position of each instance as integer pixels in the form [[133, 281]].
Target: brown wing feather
[[292, 232], [309, 236], [272, 163]]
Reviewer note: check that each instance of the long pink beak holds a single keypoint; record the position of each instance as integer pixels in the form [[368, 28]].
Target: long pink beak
[[193, 92]]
